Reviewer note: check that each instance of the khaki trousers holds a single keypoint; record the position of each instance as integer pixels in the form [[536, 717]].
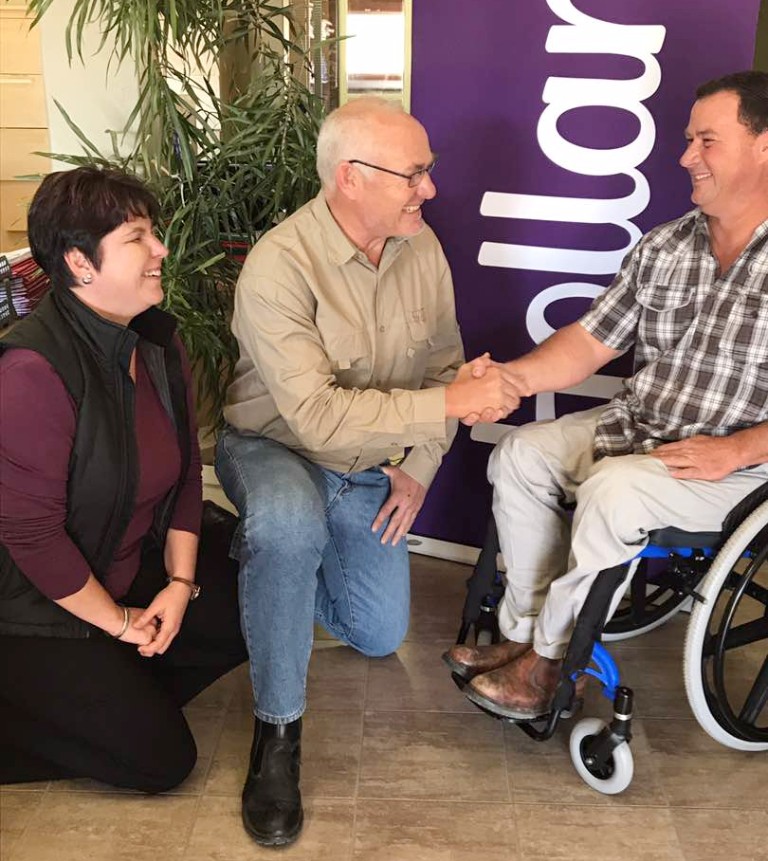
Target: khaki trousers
[[552, 558]]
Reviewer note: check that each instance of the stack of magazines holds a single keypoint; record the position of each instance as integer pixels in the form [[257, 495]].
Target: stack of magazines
[[22, 285]]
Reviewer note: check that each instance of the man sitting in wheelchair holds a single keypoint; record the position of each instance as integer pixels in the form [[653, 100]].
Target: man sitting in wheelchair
[[683, 441]]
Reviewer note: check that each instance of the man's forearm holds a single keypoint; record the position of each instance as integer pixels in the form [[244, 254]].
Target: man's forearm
[[565, 359], [750, 445]]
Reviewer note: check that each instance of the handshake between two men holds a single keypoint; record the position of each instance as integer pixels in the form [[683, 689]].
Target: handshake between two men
[[484, 391]]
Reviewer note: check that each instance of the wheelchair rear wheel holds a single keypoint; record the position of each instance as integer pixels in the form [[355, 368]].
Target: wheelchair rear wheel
[[726, 646]]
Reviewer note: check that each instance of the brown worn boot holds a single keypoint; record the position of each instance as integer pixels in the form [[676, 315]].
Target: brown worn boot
[[521, 690], [468, 661]]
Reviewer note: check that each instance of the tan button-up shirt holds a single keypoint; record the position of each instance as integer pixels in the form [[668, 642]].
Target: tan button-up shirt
[[342, 361]]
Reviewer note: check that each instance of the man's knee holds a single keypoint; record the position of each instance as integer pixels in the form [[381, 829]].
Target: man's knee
[[614, 493], [285, 519], [380, 640], [514, 455]]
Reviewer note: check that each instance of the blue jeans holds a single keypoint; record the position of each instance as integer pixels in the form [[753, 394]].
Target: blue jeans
[[307, 553]]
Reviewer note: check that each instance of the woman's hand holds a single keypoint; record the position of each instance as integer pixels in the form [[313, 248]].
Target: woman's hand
[[166, 612], [138, 633]]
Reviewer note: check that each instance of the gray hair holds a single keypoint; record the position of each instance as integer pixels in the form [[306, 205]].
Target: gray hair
[[347, 130]]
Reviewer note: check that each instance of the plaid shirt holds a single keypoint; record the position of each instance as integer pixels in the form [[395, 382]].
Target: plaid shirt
[[701, 339]]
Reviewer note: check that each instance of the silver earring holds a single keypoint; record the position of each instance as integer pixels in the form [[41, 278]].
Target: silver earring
[[87, 278]]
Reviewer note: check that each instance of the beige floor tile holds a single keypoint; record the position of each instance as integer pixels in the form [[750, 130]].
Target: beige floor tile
[[434, 831], [422, 755], [87, 785], [415, 678], [16, 811], [206, 725], [437, 598], [242, 693], [656, 677], [331, 752], [218, 834], [76, 826], [219, 694], [337, 677], [731, 835], [696, 771], [555, 833], [542, 772], [331, 744], [669, 636], [230, 759]]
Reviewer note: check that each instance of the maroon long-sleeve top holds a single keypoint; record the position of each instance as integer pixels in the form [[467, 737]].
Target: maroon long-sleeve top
[[37, 430]]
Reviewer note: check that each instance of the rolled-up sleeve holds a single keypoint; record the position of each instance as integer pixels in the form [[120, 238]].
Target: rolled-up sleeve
[[614, 315]]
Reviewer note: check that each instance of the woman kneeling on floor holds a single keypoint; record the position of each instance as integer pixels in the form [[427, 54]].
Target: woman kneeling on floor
[[101, 507]]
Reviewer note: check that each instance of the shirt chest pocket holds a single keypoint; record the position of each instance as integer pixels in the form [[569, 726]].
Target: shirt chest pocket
[[745, 335], [666, 314], [419, 344], [350, 356]]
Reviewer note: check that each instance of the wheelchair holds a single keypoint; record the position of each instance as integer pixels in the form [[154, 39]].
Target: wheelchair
[[719, 575]]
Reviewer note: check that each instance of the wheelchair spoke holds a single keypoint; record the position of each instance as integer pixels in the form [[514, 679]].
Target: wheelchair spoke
[[759, 593], [757, 698], [746, 634]]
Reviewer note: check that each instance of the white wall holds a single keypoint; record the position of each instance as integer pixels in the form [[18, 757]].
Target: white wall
[[94, 100]]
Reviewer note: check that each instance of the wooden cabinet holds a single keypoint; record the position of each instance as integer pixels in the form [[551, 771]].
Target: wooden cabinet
[[23, 121]]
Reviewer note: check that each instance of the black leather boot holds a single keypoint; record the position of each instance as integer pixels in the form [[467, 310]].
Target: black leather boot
[[272, 812]]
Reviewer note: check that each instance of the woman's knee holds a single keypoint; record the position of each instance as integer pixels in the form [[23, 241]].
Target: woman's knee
[[163, 763]]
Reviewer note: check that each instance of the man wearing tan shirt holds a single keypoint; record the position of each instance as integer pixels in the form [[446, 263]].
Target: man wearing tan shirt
[[345, 400]]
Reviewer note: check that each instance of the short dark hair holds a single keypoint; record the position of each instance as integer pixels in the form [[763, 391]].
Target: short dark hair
[[752, 90], [77, 209]]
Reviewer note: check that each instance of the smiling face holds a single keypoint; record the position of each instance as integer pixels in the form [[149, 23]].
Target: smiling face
[[128, 279], [387, 205], [725, 160]]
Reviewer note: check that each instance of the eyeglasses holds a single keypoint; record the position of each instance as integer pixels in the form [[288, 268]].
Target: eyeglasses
[[413, 178]]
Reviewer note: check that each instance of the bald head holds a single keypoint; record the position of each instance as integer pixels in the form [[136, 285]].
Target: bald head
[[358, 129]]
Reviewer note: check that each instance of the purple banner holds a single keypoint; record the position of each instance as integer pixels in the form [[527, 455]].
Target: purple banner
[[559, 124]]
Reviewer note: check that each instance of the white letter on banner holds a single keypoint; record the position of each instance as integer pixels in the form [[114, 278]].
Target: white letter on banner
[[574, 210], [566, 94]]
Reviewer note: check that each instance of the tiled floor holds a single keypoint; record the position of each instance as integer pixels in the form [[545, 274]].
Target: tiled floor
[[398, 766]]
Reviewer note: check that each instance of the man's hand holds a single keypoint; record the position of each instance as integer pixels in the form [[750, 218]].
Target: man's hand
[[167, 609], [477, 368], [403, 504], [704, 457], [483, 389]]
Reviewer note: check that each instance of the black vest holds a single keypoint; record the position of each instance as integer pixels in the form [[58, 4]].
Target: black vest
[[92, 356]]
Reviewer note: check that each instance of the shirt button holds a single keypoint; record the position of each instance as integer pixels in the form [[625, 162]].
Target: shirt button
[[382, 328]]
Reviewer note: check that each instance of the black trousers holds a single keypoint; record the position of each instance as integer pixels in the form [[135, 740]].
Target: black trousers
[[95, 708]]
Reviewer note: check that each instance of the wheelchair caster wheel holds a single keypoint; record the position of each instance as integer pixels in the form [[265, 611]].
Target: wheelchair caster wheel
[[611, 777]]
